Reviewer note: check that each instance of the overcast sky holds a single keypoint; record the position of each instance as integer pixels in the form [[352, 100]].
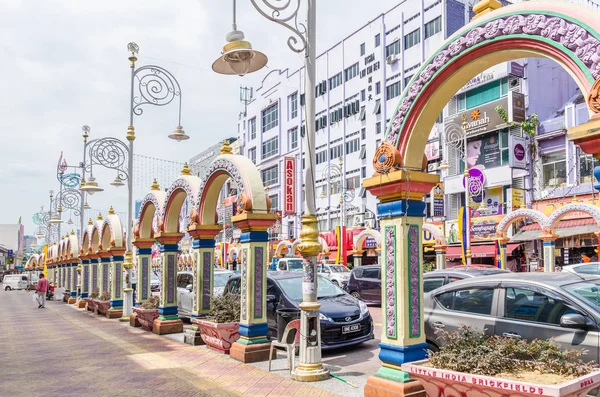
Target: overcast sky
[[64, 64]]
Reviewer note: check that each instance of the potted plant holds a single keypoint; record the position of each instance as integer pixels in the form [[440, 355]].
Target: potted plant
[[90, 301], [220, 329], [103, 303], [147, 312], [474, 364]]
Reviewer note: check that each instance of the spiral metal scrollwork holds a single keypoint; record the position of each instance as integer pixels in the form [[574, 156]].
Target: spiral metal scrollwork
[[454, 136], [285, 13], [155, 86], [69, 199], [70, 180], [334, 174], [110, 153]]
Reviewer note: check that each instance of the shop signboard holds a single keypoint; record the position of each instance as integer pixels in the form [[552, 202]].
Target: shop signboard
[[549, 206], [478, 120], [452, 232], [432, 150], [493, 203], [493, 73], [428, 238], [517, 157], [516, 107], [289, 186], [516, 69], [438, 199], [484, 228], [515, 199]]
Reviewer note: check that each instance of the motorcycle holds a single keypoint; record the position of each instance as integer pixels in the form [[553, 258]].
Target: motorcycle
[[50, 294]]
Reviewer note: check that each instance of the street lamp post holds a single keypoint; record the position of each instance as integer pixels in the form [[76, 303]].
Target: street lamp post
[[239, 58]]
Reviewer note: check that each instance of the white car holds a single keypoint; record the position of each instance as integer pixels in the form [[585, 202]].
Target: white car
[[583, 268], [337, 274], [185, 288]]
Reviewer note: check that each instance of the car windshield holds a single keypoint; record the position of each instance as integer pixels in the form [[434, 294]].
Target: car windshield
[[292, 287], [588, 291], [221, 279], [339, 269], [295, 265]]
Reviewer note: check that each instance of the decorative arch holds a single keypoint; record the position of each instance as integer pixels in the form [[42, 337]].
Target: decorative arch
[[360, 238], [233, 250], [72, 247], [324, 246], [32, 262], [522, 213], [563, 211], [437, 233], [284, 244], [563, 32], [151, 208], [86, 239], [115, 232], [251, 192], [184, 187]]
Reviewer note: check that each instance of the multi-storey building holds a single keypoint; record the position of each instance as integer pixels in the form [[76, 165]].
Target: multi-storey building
[[359, 80]]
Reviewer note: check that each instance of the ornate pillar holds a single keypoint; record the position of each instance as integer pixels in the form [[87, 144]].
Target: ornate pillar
[[104, 271], [85, 281], [401, 212], [549, 243], [94, 270], [168, 321], [72, 281], [440, 256], [253, 344], [144, 269], [502, 242], [116, 281]]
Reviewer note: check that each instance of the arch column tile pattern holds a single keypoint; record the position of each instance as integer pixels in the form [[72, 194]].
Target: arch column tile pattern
[[359, 240], [563, 32], [85, 259], [104, 255], [116, 248]]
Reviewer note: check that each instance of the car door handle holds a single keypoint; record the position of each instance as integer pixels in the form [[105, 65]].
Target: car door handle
[[511, 335], [438, 325]]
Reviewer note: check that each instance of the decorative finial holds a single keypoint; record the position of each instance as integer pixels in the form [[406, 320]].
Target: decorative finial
[[155, 185], [59, 210], [186, 170], [134, 49], [484, 7], [575, 199], [72, 232], [100, 216], [523, 206], [111, 211], [90, 222], [464, 123], [226, 149]]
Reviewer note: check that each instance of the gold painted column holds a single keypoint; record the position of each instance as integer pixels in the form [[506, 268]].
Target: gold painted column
[[168, 321], [549, 244], [94, 271], [116, 281], [253, 344], [144, 269], [440, 256], [502, 242], [204, 248], [104, 271]]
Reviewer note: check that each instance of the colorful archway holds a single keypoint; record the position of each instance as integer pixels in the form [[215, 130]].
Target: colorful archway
[[563, 32], [284, 244], [361, 237], [441, 244], [113, 227]]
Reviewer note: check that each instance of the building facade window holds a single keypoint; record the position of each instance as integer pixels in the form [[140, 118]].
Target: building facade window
[[353, 146], [377, 40], [321, 157], [336, 151], [252, 128], [393, 90], [362, 49], [378, 127], [412, 39], [293, 138], [353, 182], [274, 201], [270, 147], [270, 118], [351, 72], [363, 133], [554, 169], [363, 95], [270, 176], [486, 93], [393, 48], [363, 172], [293, 104], [252, 155], [433, 27], [335, 81], [377, 88], [586, 168]]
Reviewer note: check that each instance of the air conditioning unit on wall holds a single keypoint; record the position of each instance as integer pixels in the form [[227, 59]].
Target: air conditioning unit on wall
[[391, 59], [359, 219], [370, 223]]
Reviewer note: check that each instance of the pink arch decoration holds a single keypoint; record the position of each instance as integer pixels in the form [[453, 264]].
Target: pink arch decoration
[[437, 234], [570, 208], [522, 213]]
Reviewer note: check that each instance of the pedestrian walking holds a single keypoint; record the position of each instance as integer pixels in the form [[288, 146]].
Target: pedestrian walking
[[41, 289]]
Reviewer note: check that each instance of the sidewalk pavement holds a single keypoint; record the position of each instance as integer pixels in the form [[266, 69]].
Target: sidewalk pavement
[[64, 351]]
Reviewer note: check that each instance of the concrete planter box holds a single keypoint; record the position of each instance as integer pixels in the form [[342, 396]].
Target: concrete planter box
[[218, 336], [146, 317], [91, 305], [439, 383], [102, 307]]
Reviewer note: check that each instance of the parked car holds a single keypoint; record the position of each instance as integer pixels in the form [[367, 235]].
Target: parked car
[[438, 278], [33, 281], [185, 288], [15, 281], [290, 264], [365, 283], [591, 268], [337, 274], [344, 320], [154, 282], [560, 306]]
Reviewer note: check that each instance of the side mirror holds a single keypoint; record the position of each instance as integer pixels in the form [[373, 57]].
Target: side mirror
[[573, 320], [271, 298], [189, 287]]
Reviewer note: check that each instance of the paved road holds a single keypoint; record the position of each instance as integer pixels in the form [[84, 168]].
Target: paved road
[[64, 351]]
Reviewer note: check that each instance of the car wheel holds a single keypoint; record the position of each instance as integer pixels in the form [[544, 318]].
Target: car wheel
[[355, 294], [7, 288]]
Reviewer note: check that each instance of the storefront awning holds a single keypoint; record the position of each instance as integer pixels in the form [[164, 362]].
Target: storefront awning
[[479, 251], [526, 235], [568, 228]]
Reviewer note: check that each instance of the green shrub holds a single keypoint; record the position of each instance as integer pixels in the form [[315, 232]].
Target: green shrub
[[476, 353], [152, 303], [95, 294], [225, 309], [105, 296]]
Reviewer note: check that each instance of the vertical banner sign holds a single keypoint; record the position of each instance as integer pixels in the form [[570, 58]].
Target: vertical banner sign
[[438, 199], [516, 153], [340, 233], [289, 185], [463, 228], [516, 107]]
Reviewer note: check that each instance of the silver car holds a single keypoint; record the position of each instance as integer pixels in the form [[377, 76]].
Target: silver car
[[185, 288], [564, 307], [583, 268], [337, 274]]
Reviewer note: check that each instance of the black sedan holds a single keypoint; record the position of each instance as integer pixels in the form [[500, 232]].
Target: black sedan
[[345, 320]]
